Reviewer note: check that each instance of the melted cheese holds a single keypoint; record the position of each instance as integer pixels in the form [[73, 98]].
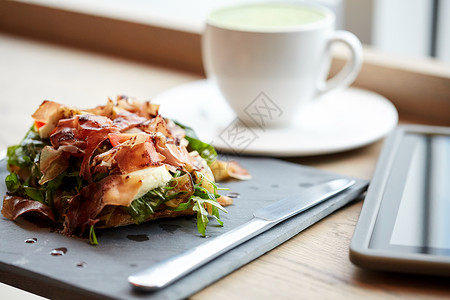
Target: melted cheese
[[151, 178]]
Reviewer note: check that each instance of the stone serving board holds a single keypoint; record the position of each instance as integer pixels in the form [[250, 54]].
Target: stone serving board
[[101, 271]]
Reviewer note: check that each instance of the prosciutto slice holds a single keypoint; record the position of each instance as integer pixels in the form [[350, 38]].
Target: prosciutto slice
[[52, 163], [144, 109], [84, 133], [85, 207], [14, 206], [177, 156], [49, 114], [121, 152], [143, 150]]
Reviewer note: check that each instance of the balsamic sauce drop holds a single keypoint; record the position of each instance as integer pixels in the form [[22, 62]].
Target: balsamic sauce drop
[[171, 228], [138, 237], [58, 251], [233, 195]]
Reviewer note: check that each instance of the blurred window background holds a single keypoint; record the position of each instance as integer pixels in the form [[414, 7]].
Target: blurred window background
[[416, 28]]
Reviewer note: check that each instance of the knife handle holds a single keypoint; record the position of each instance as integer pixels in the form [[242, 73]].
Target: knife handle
[[167, 271]]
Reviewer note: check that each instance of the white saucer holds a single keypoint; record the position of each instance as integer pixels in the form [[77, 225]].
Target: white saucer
[[341, 121]]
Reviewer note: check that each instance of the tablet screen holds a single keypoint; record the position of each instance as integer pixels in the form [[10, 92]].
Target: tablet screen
[[414, 215]]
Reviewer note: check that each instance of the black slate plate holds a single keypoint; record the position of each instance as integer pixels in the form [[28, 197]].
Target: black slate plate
[[101, 271]]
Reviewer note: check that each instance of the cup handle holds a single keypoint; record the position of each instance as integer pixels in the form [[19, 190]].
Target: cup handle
[[350, 71]]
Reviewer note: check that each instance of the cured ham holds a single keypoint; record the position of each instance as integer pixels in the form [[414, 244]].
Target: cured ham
[[109, 166], [14, 206]]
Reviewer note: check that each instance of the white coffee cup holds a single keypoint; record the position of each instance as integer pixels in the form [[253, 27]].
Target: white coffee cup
[[269, 60]]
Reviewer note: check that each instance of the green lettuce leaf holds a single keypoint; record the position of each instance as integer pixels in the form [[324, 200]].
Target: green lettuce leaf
[[13, 184], [92, 236], [35, 194], [140, 209], [202, 213], [26, 154], [206, 151]]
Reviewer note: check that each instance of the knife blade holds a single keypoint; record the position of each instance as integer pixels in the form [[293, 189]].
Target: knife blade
[[167, 271]]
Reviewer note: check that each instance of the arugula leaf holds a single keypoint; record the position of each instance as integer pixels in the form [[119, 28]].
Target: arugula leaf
[[206, 151], [215, 214], [203, 196], [17, 157], [26, 154], [35, 194], [204, 193], [140, 209], [189, 131], [92, 236], [183, 205], [32, 143], [202, 213], [68, 179], [13, 184], [24, 160], [200, 198]]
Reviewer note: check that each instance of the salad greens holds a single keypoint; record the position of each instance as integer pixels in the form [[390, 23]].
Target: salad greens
[[23, 180], [26, 154], [92, 236], [142, 208], [206, 151], [23, 164]]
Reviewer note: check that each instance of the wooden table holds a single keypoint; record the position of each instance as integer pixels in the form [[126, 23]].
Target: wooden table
[[312, 265]]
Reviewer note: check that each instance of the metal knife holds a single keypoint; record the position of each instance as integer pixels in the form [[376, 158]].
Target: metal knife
[[167, 271]]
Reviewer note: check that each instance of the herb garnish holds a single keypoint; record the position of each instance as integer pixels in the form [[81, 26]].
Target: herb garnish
[[206, 151]]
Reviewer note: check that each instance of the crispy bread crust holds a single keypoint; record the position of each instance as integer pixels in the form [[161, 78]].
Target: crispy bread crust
[[121, 218]]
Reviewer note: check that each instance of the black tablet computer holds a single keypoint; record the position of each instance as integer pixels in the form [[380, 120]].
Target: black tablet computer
[[404, 224]]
